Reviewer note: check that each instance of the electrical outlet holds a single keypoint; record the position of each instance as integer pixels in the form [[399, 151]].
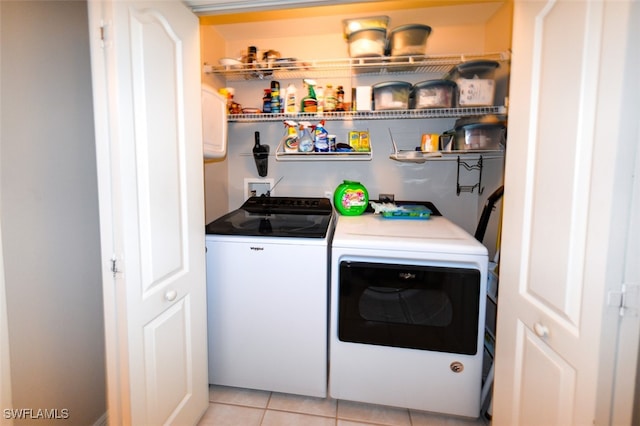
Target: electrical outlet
[[257, 187], [386, 198]]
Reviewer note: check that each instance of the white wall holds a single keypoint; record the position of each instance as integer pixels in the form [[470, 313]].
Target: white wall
[[433, 181], [49, 211], [455, 30]]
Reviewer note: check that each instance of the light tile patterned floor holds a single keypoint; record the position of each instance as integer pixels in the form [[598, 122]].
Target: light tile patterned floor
[[234, 406]]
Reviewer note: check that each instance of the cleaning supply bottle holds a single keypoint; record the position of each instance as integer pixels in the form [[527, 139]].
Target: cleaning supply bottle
[[321, 139], [351, 198], [306, 141], [228, 92], [291, 140], [275, 97], [329, 99], [320, 99], [310, 102], [266, 101], [340, 99], [291, 101]]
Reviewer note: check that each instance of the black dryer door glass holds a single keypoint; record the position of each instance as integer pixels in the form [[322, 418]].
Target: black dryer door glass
[[419, 307]]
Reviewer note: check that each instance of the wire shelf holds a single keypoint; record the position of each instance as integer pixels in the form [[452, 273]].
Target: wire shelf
[[324, 68], [370, 115]]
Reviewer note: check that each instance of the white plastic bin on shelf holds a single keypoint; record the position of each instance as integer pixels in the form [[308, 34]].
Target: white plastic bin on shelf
[[476, 83], [409, 40], [367, 43], [433, 94], [391, 95]]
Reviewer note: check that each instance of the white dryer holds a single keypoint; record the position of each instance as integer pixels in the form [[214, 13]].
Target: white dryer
[[407, 314]]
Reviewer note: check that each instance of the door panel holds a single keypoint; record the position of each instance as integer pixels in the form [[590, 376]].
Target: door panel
[[536, 392], [159, 134], [560, 153], [149, 143], [552, 356], [168, 366]]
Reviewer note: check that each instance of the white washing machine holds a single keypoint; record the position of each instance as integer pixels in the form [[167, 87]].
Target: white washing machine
[[407, 314], [267, 295]]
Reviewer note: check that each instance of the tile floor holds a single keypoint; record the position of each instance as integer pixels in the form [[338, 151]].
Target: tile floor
[[234, 407]]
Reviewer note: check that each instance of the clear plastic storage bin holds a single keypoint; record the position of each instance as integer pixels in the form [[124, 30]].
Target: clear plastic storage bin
[[391, 95], [476, 83], [367, 43], [480, 136], [433, 94], [409, 40]]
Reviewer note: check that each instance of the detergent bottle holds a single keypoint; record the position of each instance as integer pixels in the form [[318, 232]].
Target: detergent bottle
[[351, 198], [321, 138], [291, 140], [291, 102], [310, 102], [276, 104], [330, 100], [340, 99], [306, 141], [319, 99]]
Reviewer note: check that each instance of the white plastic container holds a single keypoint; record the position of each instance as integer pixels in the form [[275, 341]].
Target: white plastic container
[[363, 98], [373, 22], [480, 136], [367, 43], [476, 83], [433, 94], [391, 95], [409, 40]]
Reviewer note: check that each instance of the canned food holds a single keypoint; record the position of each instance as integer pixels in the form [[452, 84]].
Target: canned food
[[430, 142], [331, 139]]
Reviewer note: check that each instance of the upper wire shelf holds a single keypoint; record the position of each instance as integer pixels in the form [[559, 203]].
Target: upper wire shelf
[[320, 68], [370, 115]]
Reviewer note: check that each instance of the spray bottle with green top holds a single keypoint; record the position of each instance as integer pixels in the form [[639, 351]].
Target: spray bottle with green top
[[310, 102]]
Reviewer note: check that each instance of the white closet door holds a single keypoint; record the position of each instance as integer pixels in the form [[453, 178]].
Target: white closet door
[[569, 169], [145, 60]]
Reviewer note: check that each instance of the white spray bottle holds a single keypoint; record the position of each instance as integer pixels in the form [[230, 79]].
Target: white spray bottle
[[291, 99]]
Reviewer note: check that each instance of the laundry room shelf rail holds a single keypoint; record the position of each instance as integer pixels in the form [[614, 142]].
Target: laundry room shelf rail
[[370, 115], [281, 155], [291, 68]]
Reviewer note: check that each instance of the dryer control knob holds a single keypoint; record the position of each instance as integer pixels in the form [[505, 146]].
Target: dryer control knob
[[456, 367]]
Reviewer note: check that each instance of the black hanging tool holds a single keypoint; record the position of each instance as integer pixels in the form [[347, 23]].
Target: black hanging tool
[[261, 156], [486, 212]]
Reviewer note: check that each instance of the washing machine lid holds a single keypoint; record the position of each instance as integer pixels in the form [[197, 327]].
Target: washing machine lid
[[437, 234], [276, 217]]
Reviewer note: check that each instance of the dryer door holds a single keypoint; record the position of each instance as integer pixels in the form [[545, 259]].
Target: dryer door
[[421, 307]]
